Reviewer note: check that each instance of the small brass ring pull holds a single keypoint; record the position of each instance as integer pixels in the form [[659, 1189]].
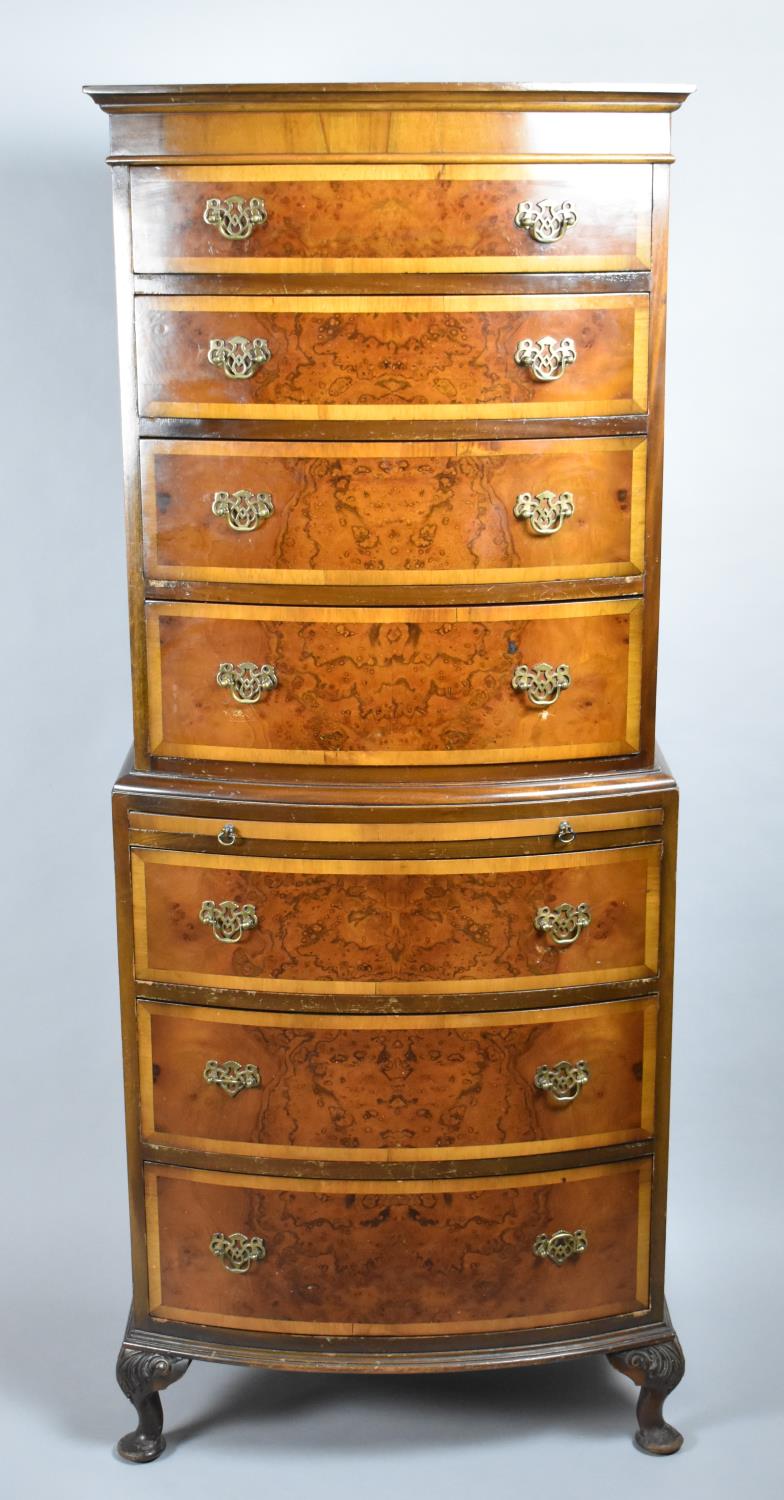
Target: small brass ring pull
[[546, 358], [228, 835], [236, 1252], [563, 1082], [561, 1246], [542, 684], [232, 1076], [235, 217], [228, 920], [238, 358], [564, 924], [243, 510], [545, 221], [246, 680], [545, 512], [565, 834]]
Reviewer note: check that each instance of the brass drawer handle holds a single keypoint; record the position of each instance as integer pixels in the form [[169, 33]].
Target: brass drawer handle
[[246, 680], [236, 1252], [228, 920], [239, 358], [546, 512], [243, 510], [228, 835], [545, 221], [565, 923], [561, 1246], [563, 1081], [543, 684], [235, 217], [565, 834], [231, 1076], [546, 358]]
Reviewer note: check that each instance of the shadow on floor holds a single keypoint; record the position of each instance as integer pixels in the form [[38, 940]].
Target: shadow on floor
[[344, 1414]]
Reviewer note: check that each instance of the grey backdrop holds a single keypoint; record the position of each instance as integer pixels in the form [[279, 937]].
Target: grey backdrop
[[65, 1282]]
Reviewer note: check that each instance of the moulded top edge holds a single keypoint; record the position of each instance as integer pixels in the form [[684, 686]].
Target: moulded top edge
[[553, 96], [345, 792]]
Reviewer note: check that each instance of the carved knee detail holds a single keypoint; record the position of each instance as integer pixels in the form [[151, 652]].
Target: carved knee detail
[[657, 1369], [141, 1374]]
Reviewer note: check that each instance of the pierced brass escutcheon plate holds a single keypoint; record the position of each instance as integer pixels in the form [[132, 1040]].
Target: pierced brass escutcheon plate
[[237, 1252], [564, 923], [239, 358], [542, 684], [545, 512], [247, 680], [228, 920], [546, 358], [563, 1081], [232, 1076], [561, 1246], [235, 217], [243, 509], [545, 221]]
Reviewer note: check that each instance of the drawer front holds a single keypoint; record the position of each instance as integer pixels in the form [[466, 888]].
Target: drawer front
[[352, 219], [400, 1089], [406, 358], [396, 926], [365, 513], [395, 686], [359, 1257]]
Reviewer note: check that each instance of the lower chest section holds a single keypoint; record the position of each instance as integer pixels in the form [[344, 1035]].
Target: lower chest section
[[400, 1075]]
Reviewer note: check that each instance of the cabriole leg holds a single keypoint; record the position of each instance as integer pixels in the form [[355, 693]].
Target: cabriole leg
[[141, 1374], [657, 1369]]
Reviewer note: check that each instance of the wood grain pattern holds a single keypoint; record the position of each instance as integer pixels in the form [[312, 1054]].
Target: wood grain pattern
[[354, 219], [394, 686], [359, 513], [374, 1258], [383, 927], [389, 123], [363, 358], [410, 1088]]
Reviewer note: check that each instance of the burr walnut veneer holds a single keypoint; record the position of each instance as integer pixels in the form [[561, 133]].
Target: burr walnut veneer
[[395, 851]]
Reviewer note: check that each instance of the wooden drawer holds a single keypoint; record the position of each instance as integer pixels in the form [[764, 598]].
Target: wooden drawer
[[370, 358], [386, 686], [397, 1089], [370, 1257], [394, 926], [387, 513], [357, 219]]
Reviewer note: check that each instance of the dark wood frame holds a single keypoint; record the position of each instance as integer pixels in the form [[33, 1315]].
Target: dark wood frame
[[399, 1357]]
